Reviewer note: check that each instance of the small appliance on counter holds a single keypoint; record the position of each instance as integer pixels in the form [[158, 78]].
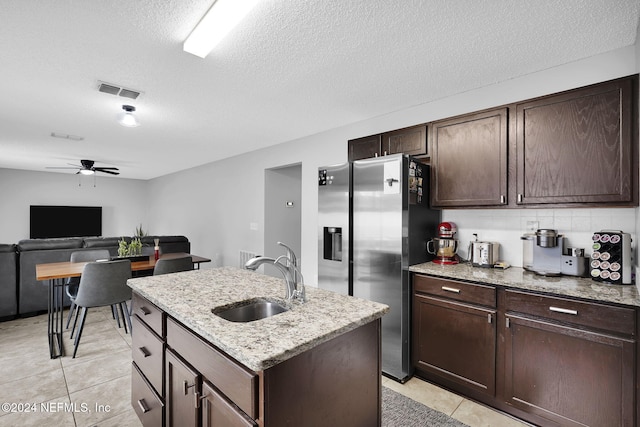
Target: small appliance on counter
[[611, 257], [528, 242], [483, 254], [445, 246], [547, 252]]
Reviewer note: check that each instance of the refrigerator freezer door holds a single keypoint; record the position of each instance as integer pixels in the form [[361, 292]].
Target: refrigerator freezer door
[[378, 224], [333, 228]]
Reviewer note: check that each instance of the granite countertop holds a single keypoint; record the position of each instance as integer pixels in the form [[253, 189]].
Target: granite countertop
[[190, 296], [516, 277]]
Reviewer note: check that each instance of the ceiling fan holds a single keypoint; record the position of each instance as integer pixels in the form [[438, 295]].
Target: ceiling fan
[[86, 168]]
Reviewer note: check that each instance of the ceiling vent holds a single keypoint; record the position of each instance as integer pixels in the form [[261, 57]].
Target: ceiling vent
[[118, 90]]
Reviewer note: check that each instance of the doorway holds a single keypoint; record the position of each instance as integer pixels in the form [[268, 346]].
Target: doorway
[[282, 211]]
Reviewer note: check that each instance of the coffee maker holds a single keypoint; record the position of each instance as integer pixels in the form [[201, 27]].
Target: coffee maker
[[445, 246], [547, 253]]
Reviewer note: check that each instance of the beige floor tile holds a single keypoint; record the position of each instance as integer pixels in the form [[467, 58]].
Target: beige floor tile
[[104, 401], [94, 343], [476, 415], [35, 389], [126, 419], [110, 366], [427, 394], [32, 362]]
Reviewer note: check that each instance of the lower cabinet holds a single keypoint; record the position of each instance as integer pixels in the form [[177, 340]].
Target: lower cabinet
[[549, 360]]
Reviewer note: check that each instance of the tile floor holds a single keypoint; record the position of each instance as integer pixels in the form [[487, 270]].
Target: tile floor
[[94, 388]]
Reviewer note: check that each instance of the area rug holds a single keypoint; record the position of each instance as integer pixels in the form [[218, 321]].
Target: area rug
[[401, 411]]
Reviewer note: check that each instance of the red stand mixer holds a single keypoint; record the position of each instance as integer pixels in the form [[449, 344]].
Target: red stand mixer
[[445, 246]]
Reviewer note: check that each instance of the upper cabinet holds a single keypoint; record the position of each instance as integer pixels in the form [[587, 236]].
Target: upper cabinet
[[411, 140], [469, 160], [364, 148], [578, 146]]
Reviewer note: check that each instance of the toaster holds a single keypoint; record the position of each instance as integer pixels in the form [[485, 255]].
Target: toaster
[[484, 254]]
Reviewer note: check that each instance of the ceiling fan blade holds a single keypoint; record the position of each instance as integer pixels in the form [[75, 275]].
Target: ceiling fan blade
[[105, 171], [102, 169], [63, 167]]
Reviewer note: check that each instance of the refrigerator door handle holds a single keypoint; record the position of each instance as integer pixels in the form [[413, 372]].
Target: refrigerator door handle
[[390, 181]]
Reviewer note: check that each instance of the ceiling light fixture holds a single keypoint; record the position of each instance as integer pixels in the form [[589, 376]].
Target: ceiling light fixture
[[127, 118], [221, 18], [86, 172]]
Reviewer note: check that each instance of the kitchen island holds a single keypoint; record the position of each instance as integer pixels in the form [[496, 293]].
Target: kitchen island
[[316, 364]]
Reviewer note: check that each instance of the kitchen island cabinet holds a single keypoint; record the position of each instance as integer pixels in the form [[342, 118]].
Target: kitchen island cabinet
[[565, 348], [317, 364]]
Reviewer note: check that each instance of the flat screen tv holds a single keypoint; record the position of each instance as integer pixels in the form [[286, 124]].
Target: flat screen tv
[[65, 221]]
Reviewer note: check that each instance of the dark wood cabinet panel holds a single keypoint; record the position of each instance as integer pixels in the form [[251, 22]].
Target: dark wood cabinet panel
[[469, 160], [145, 401], [579, 146], [182, 388], [147, 352], [411, 140], [569, 376], [364, 148], [454, 340], [218, 411]]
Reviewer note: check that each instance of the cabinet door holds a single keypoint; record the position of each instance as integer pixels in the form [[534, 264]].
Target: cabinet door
[[182, 388], [567, 375], [456, 341], [412, 140], [364, 148], [578, 146], [469, 160], [218, 411]]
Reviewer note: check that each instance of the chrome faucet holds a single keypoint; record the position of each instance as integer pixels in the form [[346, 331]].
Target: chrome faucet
[[292, 262], [289, 286], [292, 289]]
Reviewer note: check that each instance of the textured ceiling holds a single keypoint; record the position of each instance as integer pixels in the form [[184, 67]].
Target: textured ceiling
[[292, 68]]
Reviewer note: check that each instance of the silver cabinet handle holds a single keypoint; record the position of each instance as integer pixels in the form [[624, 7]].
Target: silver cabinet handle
[[564, 310], [448, 289], [519, 198], [143, 406], [489, 318], [503, 199], [186, 386], [145, 310], [144, 351]]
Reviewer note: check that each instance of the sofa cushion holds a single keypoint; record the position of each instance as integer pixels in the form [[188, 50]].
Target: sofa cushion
[[103, 242], [169, 244], [48, 244]]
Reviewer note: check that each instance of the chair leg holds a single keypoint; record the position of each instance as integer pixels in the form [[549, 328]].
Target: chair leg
[[126, 315], [114, 313], [72, 308], [75, 321], [77, 340]]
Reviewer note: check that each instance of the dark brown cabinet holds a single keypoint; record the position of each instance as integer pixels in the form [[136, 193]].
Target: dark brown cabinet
[[364, 148], [566, 371], [469, 160], [550, 360], [579, 146], [411, 140], [182, 392], [454, 336]]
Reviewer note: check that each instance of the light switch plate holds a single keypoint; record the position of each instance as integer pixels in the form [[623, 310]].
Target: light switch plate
[[532, 225]]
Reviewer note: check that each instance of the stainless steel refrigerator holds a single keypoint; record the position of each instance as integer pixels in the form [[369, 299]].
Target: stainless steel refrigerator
[[374, 222]]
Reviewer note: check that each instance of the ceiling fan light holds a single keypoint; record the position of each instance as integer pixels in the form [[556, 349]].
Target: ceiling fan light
[[86, 172], [127, 118]]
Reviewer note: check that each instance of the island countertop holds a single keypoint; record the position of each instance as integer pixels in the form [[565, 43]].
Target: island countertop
[[519, 278], [190, 296]]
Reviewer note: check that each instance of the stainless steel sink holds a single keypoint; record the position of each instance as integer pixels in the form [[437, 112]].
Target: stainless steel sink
[[250, 310]]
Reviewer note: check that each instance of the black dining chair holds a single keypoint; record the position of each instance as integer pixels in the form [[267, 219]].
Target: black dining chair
[[173, 265], [103, 284], [71, 287]]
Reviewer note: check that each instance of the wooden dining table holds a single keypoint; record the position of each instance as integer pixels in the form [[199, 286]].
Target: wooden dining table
[[56, 273]]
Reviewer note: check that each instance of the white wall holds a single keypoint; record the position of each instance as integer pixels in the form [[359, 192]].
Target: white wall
[[215, 203], [124, 201]]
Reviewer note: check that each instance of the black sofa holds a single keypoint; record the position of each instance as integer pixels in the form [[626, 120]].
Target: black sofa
[[22, 294]]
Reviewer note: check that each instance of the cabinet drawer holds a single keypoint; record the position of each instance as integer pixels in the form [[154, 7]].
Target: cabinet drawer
[[239, 384], [148, 313], [147, 351], [146, 403], [590, 314], [459, 291], [218, 411]]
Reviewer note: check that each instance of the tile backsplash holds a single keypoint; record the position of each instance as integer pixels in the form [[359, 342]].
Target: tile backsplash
[[505, 226]]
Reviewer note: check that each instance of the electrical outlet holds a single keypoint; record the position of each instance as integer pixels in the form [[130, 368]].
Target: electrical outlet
[[532, 225], [253, 226]]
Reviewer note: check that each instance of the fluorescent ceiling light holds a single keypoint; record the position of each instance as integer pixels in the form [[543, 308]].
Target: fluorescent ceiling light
[[221, 18]]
